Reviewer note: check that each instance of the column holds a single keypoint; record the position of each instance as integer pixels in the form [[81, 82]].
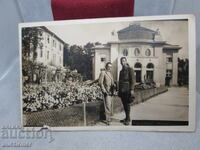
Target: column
[[175, 69]]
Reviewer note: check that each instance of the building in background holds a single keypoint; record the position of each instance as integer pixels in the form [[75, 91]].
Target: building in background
[[51, 51], [46, 55], [147, 53]]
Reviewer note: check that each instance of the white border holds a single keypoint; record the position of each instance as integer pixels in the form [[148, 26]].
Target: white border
[[192, 73]]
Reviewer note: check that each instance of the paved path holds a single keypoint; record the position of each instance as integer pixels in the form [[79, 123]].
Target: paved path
[[171, 105]]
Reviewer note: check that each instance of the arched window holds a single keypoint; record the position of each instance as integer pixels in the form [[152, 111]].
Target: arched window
[[149, 72], [148, 52], [138, 71], [125, 52], [150, 65], [138, 65], [137, 52]]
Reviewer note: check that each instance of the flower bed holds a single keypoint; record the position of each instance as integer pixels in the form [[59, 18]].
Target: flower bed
[[75, 115], [58, 95]]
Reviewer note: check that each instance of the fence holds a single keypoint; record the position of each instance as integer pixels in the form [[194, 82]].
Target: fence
[[82, 114]]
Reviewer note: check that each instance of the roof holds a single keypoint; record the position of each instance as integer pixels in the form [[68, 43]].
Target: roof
[[50, 32], [103, 46], [136, 31], [138, 42], [136, 27], [170, 46]]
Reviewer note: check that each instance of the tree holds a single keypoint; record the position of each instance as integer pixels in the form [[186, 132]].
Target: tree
[[88, 48], [31, 40], [80, 58], [97, 43], [183, 71]]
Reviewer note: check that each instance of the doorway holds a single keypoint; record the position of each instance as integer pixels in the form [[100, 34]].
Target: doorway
[[138, 72]]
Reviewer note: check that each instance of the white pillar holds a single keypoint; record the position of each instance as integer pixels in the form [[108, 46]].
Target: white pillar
[[175, 69], [114, 53]]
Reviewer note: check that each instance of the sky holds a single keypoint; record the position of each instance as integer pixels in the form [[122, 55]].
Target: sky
[[174, 32]]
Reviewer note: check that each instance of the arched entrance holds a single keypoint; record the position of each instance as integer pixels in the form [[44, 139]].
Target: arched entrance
[[149, 72], [138, 71]]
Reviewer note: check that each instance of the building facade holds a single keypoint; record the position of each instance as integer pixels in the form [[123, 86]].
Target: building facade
[[49, 57], [147, 53], [51, 50]]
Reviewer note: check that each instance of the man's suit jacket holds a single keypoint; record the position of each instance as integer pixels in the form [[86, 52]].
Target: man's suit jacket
[[106, 81], [126, 80]]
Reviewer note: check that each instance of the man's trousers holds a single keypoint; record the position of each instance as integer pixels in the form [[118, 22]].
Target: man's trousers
[[108, 106], [125, 97]]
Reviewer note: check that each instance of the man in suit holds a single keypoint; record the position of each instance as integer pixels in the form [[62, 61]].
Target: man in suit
[[126, 88], [106, 83]]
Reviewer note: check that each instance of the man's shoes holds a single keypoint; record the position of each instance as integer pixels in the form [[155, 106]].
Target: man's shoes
[[126, 123], [106, 122], [122, 121]]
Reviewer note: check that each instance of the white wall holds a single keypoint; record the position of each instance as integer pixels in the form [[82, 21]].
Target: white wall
[[98, 64], [55, 53]]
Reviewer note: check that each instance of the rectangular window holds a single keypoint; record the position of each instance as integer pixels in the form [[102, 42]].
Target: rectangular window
[[138, 75], [149, 75], [47, 54], [168, 73], [41, 53], [169, 60], [54, 58], [48, 38], [103, 59], [54, 43]]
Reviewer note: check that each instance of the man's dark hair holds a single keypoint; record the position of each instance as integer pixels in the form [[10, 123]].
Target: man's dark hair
[[122, 58], [125, 59], [108, 63]]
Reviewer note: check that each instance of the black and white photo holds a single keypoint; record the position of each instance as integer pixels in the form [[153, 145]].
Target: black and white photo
[[131, 73]]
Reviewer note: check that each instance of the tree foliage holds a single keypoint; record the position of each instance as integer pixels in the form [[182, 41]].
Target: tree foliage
[[183, 72], [31, 39], [80, 58]]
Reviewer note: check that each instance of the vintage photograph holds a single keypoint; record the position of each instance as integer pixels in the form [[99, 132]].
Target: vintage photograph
[[132, 73]]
